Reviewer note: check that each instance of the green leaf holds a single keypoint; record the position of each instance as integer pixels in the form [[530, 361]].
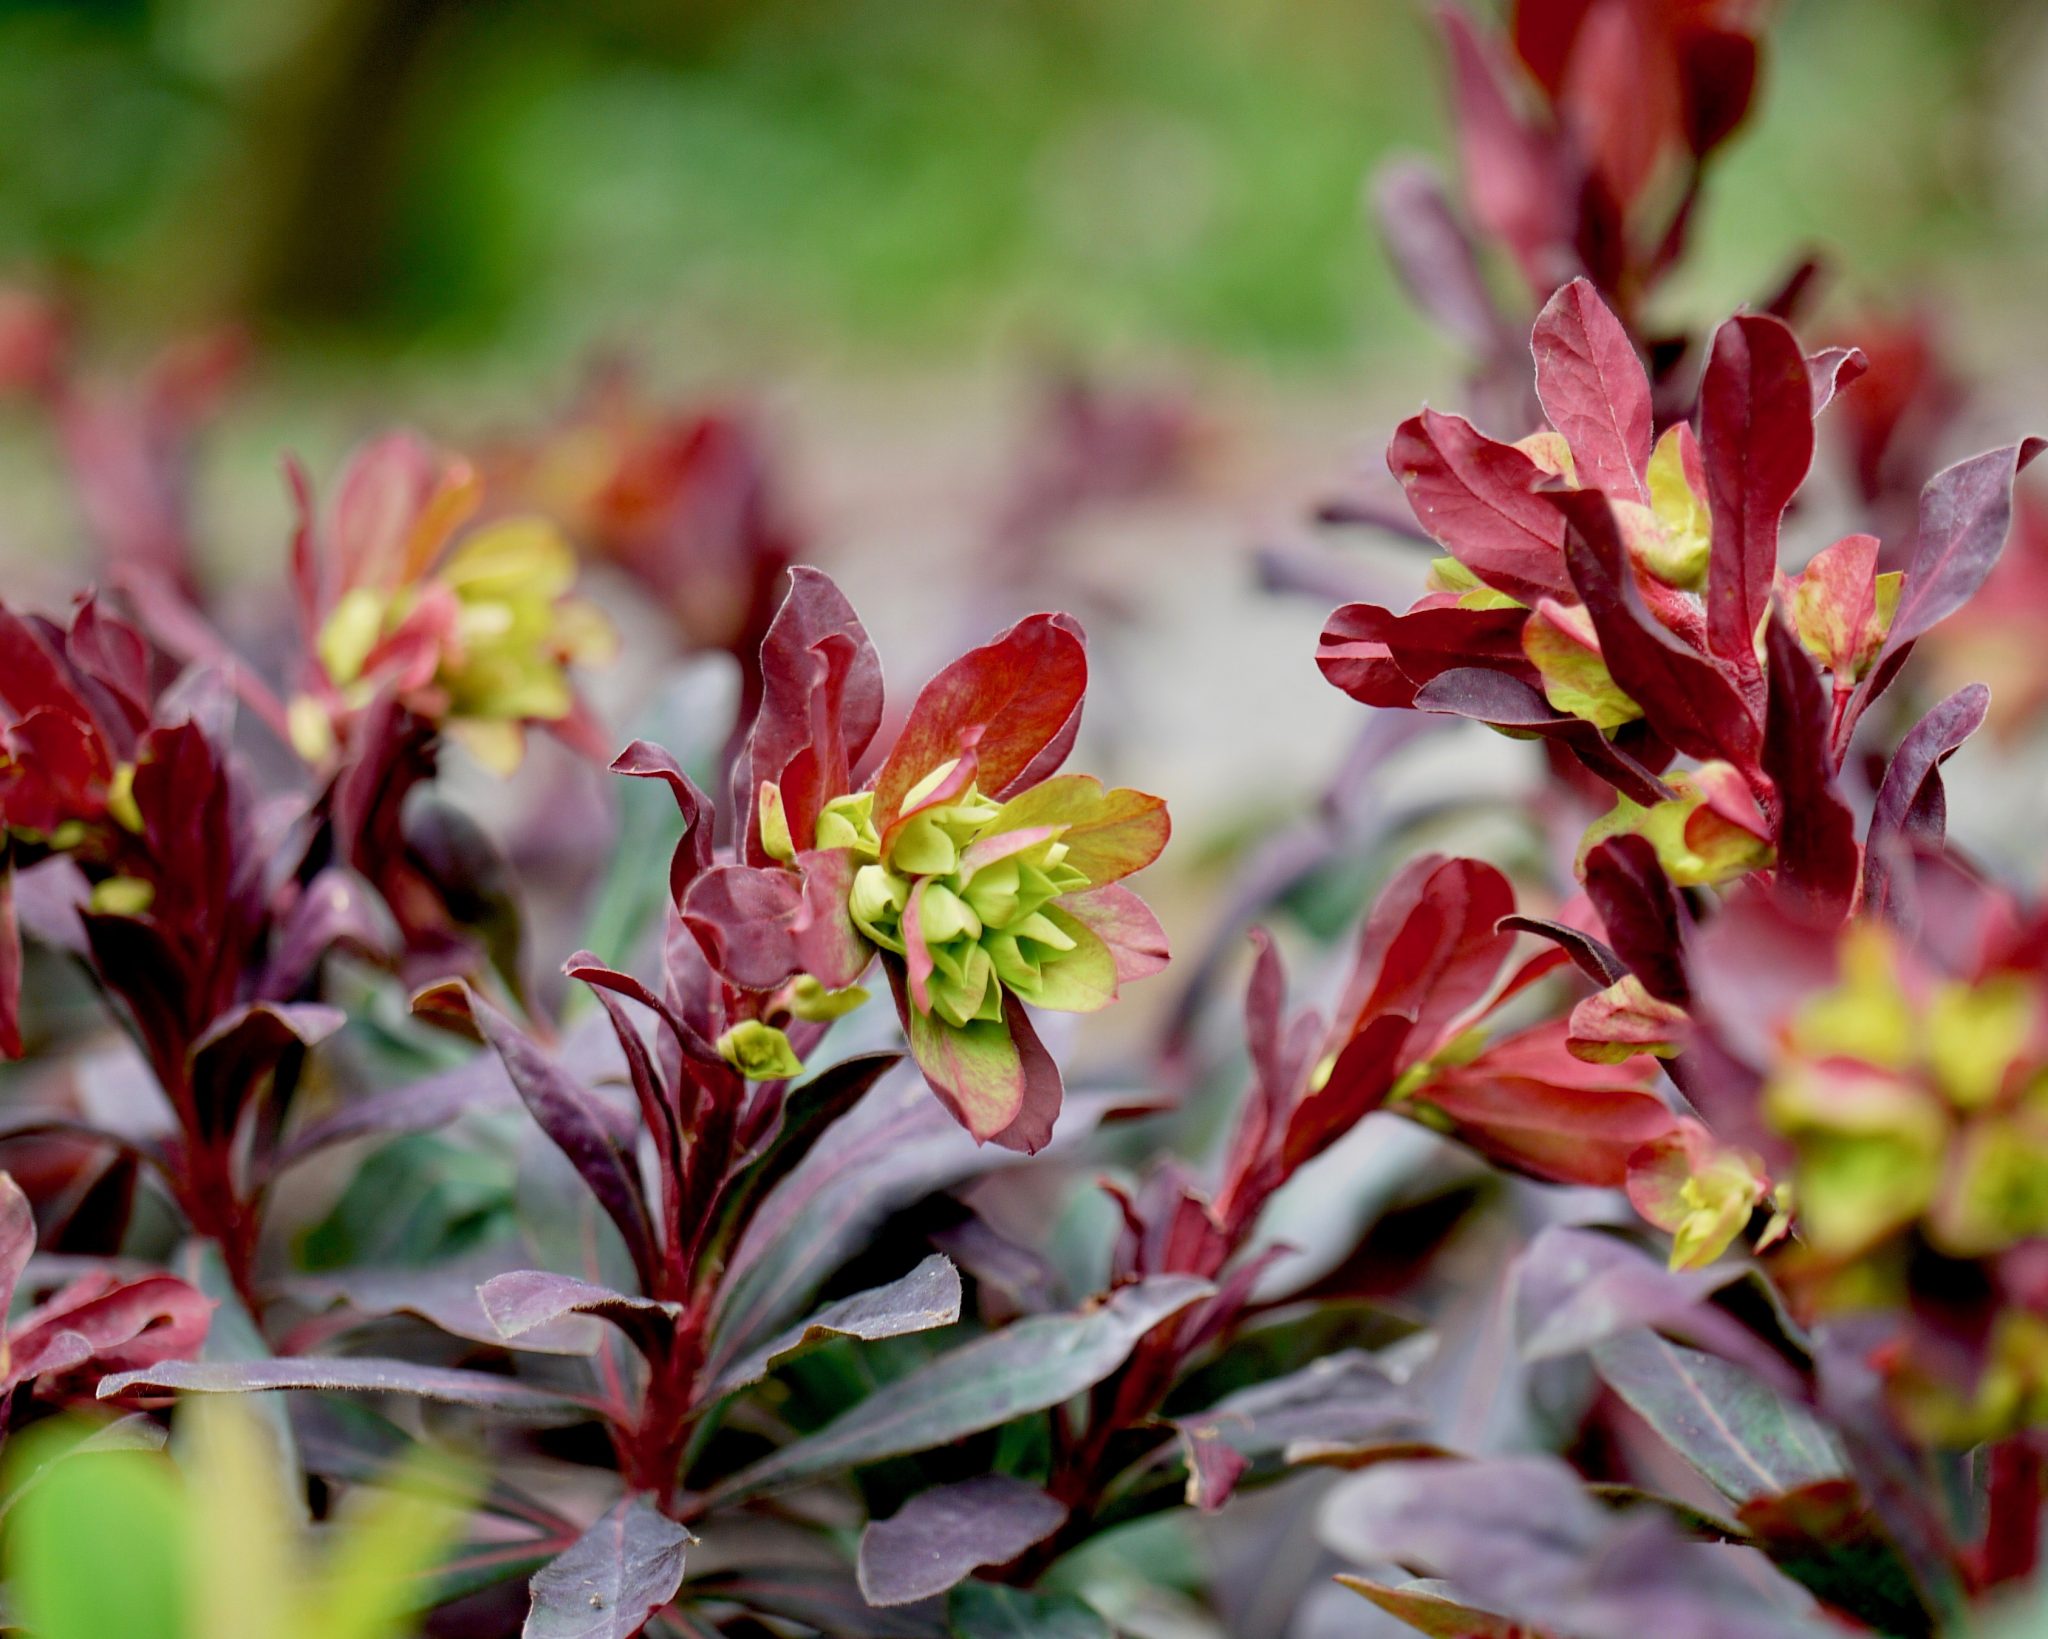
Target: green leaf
[[1026, 1367], [97, 1548], [1747, 1440], [984, 1610]]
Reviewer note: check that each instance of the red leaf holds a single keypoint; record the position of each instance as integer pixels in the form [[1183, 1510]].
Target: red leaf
[[1756, 438], [815, 643], [1477, 497], [1594, 390], [1007, 702], [744, 917], [1514, 175], [1818, 862], [647, 761]]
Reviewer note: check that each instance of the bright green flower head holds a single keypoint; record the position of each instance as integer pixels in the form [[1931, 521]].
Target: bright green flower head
[[966, 896]]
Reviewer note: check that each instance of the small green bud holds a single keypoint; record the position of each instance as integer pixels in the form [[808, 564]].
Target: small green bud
[[760, 1052], [814, 1004], [776, 841]]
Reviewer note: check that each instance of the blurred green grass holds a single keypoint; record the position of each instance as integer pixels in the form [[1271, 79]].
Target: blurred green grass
[[770, 181]]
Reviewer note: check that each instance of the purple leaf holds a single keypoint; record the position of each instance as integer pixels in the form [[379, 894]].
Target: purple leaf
[[356, 1374], [1724, 1420], [1520, 1537], [528, 1299], [1590, 956], [1028, 1366], [646, 761], [1756, 441], [1911, 805], [442, 1294], [1434, 256], [1646, 921], [1577, 1287], [572, 1118], [1686, 697], [1593, 388], [947, 1533], [611, 1579], [744, 916], [1818, 863], [928, 1296], [1965, 516], [1346, 1398]]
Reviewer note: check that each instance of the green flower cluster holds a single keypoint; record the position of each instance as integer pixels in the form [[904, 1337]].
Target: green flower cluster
[[976, 896]]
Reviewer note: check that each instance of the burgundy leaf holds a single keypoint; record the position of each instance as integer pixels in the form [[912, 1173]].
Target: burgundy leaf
[[1514, 175], [10, 962], [355, 1374], [794, 665], [1686, 697], [1594, 390], [744, 916], [612, 1579], [1646, 922], [1818, 863], [569, 1115], [1477, 497], [1911, 805], [644, 760], [928, 1296], [944, 1535], [1756, 438], [1965, 516], [1590, 956], [528, 1299]]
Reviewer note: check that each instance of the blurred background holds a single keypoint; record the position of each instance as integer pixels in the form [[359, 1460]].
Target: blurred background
[[887, 230]]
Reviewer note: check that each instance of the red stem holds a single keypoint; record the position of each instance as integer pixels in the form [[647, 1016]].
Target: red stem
[[2012, 1530]]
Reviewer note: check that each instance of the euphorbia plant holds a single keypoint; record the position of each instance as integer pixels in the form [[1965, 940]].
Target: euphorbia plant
[[985, 881]]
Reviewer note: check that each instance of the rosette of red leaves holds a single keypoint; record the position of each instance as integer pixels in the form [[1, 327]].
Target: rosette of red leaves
[[1620, 594], [836, 871]]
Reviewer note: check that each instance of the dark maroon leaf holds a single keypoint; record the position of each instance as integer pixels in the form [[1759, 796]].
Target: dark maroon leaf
[[928, 1296], [1911, 805], [1646, 921], [355, 1374], [692, 857], [527, 1300], [612, 1579], [566, 1111], [1026, 1367], [947, 1533], [1756, 441], [1593, 389], [1590, 956], [1747, 1440], [1818, 863], [1686, 697]]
